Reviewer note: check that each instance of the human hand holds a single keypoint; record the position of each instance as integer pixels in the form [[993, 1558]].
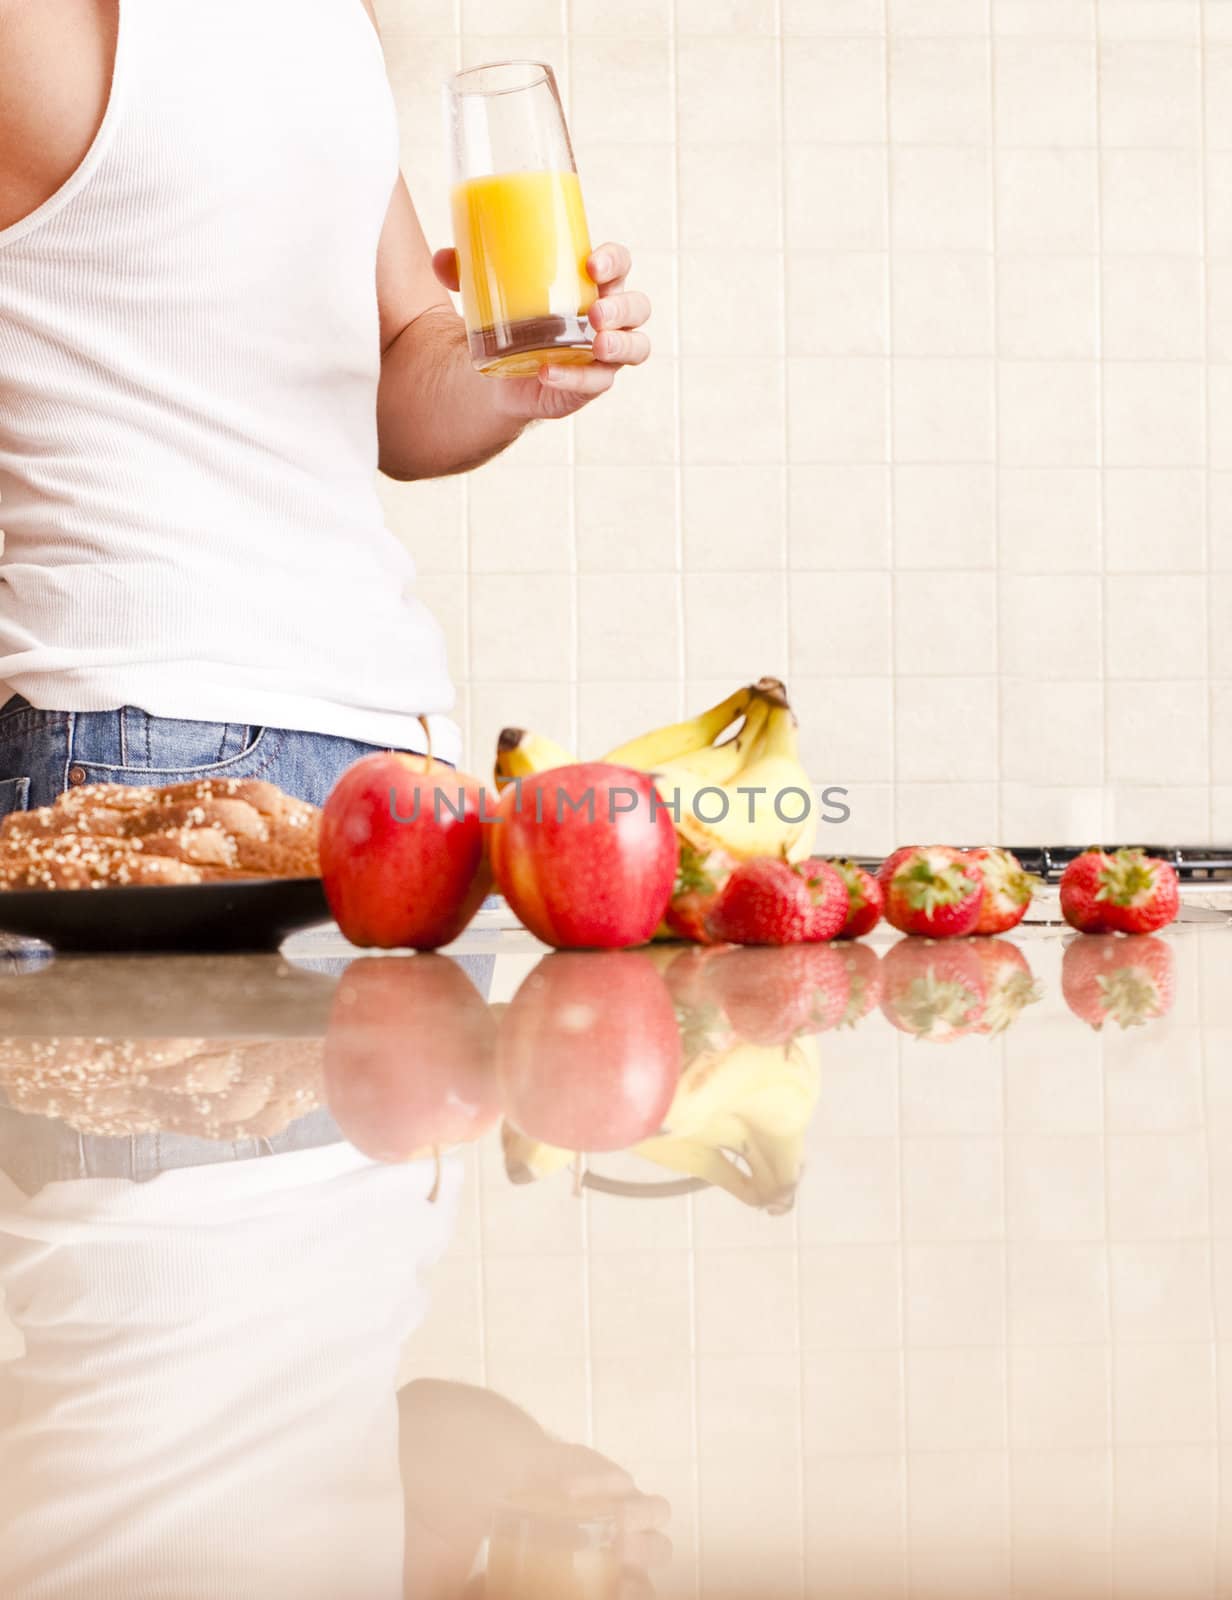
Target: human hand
[[618, 316], [569, 1481]]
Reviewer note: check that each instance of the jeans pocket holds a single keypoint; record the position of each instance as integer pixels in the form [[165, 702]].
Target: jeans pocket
[[14, 795], [129, 746]]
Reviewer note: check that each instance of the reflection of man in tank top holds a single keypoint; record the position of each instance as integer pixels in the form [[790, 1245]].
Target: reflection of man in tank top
[[205, 1403], [218, 312]]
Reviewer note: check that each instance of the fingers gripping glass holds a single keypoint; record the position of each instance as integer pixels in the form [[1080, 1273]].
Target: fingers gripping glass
[[519, 223]]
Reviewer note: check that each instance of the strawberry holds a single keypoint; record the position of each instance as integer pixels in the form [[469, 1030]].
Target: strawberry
[[1083, 892], [772, 995], [1007, 889], [936, 992], [1143, 893], [932, 890], [1009, 983], [864, 983], [892, 862], [700, 876], [1126, 892], [864, 897], [769, 901], [1127, 981]]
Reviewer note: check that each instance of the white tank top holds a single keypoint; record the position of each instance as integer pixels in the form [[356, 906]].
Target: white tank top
[[205, 1402], [189, 356]]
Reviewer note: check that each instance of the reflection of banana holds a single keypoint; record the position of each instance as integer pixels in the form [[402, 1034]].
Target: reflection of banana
[[738, 1122], [520, 754], [679, 740], [769, 1086], [527, 1160]]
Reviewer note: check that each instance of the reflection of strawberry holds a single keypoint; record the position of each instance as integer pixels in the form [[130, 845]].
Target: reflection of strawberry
[[865, 900], [704, 1026], [1125, 892], [864, 978], [771, 995], [768, 901], [934, 991], [1007, 889], [1008, 980], [934, 891], [1127, 981]]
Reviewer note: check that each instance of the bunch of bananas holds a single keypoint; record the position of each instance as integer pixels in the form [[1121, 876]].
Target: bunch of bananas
[[730, 777], [738, 1122]]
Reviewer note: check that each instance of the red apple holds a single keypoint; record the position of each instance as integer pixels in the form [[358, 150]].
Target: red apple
[[590, 1051], [585, 855], [402, 854], [410, 1057]]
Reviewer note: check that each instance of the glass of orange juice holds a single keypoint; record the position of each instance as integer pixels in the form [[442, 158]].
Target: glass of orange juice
[[519, 223]]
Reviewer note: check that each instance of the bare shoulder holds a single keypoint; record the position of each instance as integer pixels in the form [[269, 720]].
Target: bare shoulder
[[368, 5], [58, 57]]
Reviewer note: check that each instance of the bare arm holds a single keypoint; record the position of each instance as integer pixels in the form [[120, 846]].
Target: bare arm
[[435, 414]]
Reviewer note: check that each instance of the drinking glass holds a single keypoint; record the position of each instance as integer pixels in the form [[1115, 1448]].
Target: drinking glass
[[544, 1552], [518, 221]]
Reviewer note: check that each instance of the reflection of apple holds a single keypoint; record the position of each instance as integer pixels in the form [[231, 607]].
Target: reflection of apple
[[1112, 978], [402, 854], [410, 1057], [585, 855], [935, 991], [773, 993], [590, 1051]]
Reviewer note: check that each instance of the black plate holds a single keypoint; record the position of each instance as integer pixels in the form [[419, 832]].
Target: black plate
[[204, 918]]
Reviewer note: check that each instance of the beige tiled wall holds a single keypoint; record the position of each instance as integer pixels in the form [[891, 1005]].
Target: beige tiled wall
[[939, 424]]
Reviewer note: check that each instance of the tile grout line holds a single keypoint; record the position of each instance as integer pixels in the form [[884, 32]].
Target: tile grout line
[[1208, 545], [785, 585], [785, 473], [994, 310], [1208, 530], [677, 356], [575, 583], [907, 1564], [1107, 807], [468, 622], [673, 67], [891, 465]]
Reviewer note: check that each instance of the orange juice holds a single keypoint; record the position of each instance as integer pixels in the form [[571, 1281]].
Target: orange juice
[[522, 244]]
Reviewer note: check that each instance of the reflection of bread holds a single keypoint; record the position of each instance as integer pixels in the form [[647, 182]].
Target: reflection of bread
[[107, 834], [210, 1088]]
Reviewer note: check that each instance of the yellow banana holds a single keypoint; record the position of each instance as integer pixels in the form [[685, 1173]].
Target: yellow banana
[[520, 754], [767, 809], [719, 763], [650, 750]]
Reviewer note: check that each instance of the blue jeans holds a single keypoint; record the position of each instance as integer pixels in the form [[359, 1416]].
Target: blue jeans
[[43, 753]]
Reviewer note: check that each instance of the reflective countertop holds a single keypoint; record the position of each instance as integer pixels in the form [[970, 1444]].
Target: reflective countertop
[[894, 1270]]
